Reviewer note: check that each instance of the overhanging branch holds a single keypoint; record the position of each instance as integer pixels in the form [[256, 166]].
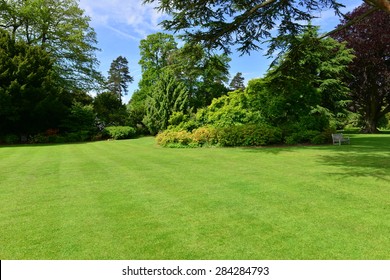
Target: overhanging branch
[[352, 22]]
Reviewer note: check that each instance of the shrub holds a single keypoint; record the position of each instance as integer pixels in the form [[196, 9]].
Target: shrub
[[310, 136], [204, 136], [11, 139], [249, 135], [81, 118], [79, 136], [243, 135], [231, 136], [120, 132], [175, 139]]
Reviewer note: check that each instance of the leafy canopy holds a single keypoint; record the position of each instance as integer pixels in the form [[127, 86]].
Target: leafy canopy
[[245, 23], [370, 80], [62, 29]]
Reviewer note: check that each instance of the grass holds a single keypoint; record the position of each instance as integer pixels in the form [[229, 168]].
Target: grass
[[135, 200]]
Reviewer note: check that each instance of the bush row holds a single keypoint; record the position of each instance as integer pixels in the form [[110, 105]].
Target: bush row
[[242, 135], [113, 132]]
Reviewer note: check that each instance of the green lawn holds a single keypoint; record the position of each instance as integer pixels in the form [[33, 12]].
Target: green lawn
[[134, 200]]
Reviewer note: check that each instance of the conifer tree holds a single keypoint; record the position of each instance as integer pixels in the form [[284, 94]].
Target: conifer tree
[[119, 77], [169, 95], [237, 82]]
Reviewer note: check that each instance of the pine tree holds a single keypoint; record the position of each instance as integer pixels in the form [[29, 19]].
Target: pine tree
[[119, 77], [237, 82]]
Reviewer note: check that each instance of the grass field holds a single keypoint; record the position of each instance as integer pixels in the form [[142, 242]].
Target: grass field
[[134, 200]]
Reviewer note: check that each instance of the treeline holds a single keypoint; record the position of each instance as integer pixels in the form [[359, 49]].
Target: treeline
[[184, 96]]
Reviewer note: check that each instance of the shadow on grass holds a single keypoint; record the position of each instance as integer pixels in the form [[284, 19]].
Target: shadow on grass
[[367, 156]]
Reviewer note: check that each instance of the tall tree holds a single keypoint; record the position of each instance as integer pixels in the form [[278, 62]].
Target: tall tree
[[119, 77], [370, 82], [156, 53], [237, 82], [306, 81], [225, 23], [61, 28], [30, 98], [169, 96], [203, 73]]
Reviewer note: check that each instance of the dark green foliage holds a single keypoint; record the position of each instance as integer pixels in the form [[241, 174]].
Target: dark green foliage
[[237, 82], [246, 24], [61, 29], [119, 77], [310, 137], [31, 100], [80, 118], [110, 110], [203, 74], [307, 79], [120, 132], [137, 108], [9, 139]]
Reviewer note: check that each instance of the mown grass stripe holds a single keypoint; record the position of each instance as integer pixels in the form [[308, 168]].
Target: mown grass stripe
[[135, 200]]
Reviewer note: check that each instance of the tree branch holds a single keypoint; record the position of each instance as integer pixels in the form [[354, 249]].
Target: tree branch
[[352, 22], [384, 5], [239, 19]]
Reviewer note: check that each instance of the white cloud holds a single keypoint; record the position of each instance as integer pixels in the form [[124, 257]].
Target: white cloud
[[129, 18]]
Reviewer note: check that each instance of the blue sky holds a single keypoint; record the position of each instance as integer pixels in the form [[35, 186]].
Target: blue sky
[[121, 25]]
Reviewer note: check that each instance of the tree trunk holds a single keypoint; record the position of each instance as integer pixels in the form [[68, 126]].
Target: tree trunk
[[370, 126]]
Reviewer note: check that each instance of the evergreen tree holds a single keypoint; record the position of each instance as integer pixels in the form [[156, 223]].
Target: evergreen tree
[[119, 77], [306, 83], [30, 99], [237, 82], [110, 110], [169, 95], [246, 23]]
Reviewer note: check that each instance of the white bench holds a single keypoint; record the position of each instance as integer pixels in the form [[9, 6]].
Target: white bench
[[339, 138]]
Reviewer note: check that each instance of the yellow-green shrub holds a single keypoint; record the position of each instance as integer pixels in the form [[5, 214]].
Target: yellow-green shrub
[[204, 136]]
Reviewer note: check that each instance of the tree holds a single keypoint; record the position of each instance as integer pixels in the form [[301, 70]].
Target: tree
[[237, 82], [62, 30], [370, 81], [119, 77], [306, 83], [30, 99], [156, 53], [110, 110], [203, 73], [81, 119], [169, 95], [225, 23]]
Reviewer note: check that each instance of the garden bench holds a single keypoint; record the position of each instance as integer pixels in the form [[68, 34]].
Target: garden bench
[[339, 138]]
